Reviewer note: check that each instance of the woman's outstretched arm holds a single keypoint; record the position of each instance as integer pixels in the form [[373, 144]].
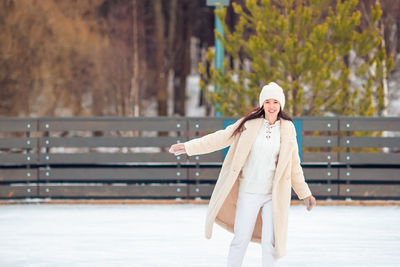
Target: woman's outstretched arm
[[208, 143]]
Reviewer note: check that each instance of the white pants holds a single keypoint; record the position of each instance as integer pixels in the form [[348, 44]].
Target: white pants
[[247, 208]]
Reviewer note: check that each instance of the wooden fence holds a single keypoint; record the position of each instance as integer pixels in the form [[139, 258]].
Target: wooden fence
[[342, 157]]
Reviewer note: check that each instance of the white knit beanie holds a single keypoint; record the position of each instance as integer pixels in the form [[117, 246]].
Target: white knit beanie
[[272, 91]]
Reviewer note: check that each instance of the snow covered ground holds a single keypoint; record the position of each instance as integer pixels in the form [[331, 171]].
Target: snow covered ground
[[172, 235]]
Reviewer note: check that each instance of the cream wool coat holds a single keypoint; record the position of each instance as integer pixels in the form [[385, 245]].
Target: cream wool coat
[[222, 205]]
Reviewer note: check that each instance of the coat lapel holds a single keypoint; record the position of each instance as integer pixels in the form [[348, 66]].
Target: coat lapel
[[250, 133], [286, 145], [253, 124], [246, 140], [248, 137]]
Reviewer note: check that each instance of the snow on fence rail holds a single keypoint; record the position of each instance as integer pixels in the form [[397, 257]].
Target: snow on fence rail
[[342, 157]]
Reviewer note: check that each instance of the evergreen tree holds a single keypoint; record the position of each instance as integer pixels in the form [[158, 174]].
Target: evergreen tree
[[315, 49]]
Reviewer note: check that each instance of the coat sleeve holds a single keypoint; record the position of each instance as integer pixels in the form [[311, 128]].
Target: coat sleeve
[[211, 142], [298, 182]]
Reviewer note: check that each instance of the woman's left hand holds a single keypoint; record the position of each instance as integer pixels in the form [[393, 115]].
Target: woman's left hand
[[310, 202]]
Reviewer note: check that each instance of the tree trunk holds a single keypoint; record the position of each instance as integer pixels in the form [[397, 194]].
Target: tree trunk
[[384, 81], [182, 60], [134, 93], [160, 50]]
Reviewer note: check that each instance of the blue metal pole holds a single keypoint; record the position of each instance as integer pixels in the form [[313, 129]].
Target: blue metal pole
[[219, 55], [298, 124], [219, 49]]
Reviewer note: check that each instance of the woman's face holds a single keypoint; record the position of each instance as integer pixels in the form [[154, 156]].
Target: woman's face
[[271, 108]]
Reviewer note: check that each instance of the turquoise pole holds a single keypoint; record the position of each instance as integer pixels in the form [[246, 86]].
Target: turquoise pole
[[219, 49], [219, 54]]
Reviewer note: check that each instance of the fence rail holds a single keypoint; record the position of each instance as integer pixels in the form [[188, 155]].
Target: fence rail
[[342, 157]]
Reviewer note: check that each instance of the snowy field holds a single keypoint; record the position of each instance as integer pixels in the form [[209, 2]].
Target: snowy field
[[172, 235]]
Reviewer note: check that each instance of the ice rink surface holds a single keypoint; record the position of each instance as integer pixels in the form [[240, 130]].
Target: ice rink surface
[[172, 235]]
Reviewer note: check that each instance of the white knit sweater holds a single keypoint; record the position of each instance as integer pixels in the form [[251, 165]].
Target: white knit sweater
[[259, 169]]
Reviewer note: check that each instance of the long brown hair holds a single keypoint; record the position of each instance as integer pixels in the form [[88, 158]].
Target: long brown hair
[[259, 113]]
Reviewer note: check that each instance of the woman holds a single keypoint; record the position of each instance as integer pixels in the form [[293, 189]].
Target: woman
[[252, 195]]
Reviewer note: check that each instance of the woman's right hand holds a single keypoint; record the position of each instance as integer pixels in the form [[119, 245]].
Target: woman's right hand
[[177, 149]]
